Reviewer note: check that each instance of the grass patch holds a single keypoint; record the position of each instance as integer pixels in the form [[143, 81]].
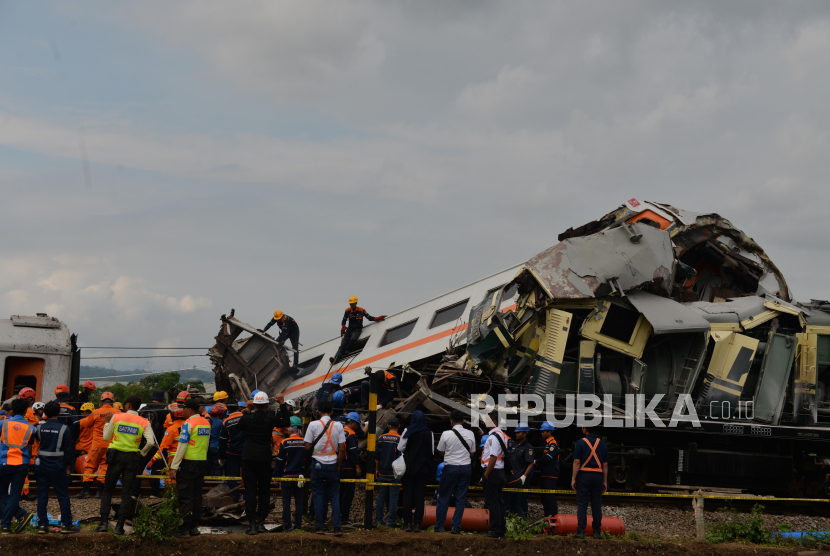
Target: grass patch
[[161, 522]]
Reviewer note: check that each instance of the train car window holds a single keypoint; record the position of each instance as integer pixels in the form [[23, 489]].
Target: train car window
[[448, 314], [308, 367], [398, 333]]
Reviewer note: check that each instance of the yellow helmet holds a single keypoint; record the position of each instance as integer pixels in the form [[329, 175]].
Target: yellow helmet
[[353, 299], [88, 407], [278, 315], [220, 395], [118, 406]]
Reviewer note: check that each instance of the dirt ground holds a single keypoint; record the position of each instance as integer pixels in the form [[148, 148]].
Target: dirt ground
[[364, 543]]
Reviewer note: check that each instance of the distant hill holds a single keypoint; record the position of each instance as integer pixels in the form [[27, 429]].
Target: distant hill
[[91, 373]]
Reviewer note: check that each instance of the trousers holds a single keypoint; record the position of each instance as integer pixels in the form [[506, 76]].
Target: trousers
[[295, 343], [589, 489], [516, 502], [349, 337], [494, 500], [121, 465], [387, 496], [11, 485], [233, 468], [158, 465], [189, 482], [325, 489], [96, 457], [549, 503], [454, 482], [256, 475], [347, 494], [289, 491], [57, 479], [414, 486]]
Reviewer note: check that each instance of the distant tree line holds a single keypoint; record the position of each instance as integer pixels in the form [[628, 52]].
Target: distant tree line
[[144, 387]]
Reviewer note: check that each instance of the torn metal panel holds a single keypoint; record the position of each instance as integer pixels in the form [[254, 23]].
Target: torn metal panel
[[616, 326], [728, 369], [804, 385], [667, 316], [605, 262], [774, 376]]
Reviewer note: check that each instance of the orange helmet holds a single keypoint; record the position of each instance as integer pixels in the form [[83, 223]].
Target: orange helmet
[[218, 409], [175, 409], [62, 388], [107, 396], [26, 394], [182, 396], [89, 384]]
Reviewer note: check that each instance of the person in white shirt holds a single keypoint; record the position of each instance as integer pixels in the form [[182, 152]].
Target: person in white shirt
[[492, 460], [457, 446], [327, 441]]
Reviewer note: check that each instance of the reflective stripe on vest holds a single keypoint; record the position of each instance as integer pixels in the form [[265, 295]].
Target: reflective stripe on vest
[[16, 448], [500, 457], [328, 449], [198, 430], [60, 443], [593, 455], [127, 432], [26, 436]]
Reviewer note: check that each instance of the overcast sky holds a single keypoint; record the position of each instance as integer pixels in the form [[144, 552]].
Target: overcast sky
[[288, 154]]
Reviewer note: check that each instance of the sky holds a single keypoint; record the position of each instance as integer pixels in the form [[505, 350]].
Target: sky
[[164, 162]]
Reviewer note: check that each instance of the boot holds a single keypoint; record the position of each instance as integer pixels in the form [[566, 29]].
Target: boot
[[261, 528], [104, 526], [84, 492], [597, 534], [98, 490], [580, 534], [119, 529], [194, 532], [252, 527]]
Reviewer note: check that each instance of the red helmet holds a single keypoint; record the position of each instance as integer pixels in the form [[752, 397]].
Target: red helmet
[[62, 388], [182, 396], [175, 409], [89, 384], [218, 409], [26, 394], [107, 396]]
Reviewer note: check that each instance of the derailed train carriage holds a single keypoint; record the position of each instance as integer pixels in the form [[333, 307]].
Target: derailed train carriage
[[648, 300]]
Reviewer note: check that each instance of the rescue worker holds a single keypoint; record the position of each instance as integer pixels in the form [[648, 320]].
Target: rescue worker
[[97, 455], [354, 316], [288, 331], [181, 397], [67, 411], [548, 465], [457, 447], [37, 409], [387, 452], [327, 441], [493, 480], [89, 388], [189, 467], [84, 443], [123, 432], [256, 457], [156, 413], [118, 406], [28, 394], [218, 414], [386, 394], [327, 390], [350, 468], [590, 481], [231, 444], [290, 463], [16, 438], [170, 440], [278, 436], [53, 467], [220, 396], [522, 463]]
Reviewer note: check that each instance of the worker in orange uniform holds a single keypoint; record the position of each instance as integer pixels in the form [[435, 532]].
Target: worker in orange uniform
[[170, 440], [84, 443], [278, 435], [28, 394], [354, 316], [97, 455], [89, 388]]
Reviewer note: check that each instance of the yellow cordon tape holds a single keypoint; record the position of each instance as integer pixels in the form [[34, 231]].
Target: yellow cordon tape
[[528, 490]]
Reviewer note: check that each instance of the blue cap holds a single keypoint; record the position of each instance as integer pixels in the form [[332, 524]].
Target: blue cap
[[484, 438], [336, 378], [353, 416], [243, 404], [208, 408], [547, 426], [254, 393], [522, 428], [339, 398], [440, 468]]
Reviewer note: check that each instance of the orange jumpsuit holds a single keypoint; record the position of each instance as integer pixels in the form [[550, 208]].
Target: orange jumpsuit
[[97, 456], [277, 436], [170, 440]]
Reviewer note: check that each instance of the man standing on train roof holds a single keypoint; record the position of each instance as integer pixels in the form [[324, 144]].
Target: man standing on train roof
[[589, 480], [288, 331], [354, 316]]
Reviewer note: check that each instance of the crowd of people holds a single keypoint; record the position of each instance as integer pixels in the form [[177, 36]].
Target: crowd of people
[[261, 438]]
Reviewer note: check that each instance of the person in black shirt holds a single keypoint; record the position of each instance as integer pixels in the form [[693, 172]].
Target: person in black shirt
[[387, 452], [522, 462], [354, 315], [288, 331], [256, 457], [291, 463], [548, 465], [350, 469]]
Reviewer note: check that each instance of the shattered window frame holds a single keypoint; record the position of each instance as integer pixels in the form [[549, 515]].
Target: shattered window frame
[[440, 312], [385, 340], [307, 367]]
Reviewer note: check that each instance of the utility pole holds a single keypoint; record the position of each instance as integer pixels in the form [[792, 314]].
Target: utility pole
[[369, 500]]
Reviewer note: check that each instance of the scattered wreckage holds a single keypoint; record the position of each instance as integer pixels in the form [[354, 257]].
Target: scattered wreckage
[[647, 300]]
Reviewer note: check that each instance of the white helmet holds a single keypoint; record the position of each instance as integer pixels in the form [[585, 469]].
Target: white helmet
[[38, 406], [292, 403], [260, 398]]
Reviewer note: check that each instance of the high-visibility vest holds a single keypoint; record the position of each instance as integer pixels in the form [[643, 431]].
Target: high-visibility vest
[[591, 456], [329, 447], [277, 436], [196, 434], [500, 457], [14, 442], [127, 432]]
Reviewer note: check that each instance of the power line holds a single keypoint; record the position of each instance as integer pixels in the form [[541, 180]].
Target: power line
[[99, 347], [144, 356]]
